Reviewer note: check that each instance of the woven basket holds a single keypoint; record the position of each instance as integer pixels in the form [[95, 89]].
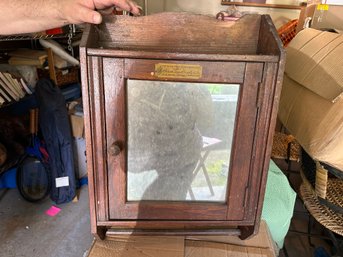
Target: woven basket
[[324, 215], [63, 76], [285, 147], [321, 181], [328, 192], [288, 31]]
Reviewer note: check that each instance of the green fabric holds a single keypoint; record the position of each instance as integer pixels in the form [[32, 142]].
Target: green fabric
[[278, 204]]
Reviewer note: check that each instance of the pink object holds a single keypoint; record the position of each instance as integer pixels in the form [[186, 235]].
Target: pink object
[[53, 211]]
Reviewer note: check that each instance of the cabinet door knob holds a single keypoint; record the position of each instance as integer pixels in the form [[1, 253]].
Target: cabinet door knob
[[115, 149]]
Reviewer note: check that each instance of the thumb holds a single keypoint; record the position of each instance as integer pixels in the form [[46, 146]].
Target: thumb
[[84, 14]]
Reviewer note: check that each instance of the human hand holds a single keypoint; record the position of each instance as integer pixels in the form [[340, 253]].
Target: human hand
[[80, 11]]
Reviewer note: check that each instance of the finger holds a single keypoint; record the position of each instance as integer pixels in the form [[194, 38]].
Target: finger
[[127, 5], [84, 14], [134, 9]]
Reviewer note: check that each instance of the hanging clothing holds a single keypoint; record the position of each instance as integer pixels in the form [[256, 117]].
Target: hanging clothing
[[55, 126]]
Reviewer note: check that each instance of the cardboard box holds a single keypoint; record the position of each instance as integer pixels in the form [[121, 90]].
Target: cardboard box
[[329, 19], [77, 125], [312, 62], [178, 246], [80, 157], [315, 122], [311, 107]]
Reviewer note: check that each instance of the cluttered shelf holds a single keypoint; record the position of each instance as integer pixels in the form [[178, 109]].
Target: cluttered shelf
[[61, 34], [24, 59], [22, 66], [253, 4], [70, 93]]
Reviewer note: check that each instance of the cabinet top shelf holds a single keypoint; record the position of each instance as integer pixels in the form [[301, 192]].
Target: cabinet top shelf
[[281, 6], [184, 33]]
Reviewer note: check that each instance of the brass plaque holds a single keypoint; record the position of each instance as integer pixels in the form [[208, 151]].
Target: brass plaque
[[180, 71]]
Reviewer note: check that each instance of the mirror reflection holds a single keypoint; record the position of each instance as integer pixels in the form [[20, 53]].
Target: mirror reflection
[[179, 140]]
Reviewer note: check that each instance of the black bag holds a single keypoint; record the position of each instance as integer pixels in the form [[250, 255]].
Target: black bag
[[56, 131]]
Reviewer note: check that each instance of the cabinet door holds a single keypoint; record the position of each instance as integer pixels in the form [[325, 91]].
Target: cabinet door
[[176, 134]]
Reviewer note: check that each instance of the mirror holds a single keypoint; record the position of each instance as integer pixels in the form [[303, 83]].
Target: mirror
[[179, 140]]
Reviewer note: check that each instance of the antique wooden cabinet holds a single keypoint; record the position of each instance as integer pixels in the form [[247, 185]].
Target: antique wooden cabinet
[[179, 111]]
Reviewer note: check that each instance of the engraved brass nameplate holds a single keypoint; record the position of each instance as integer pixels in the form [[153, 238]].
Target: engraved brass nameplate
[[182, 71]]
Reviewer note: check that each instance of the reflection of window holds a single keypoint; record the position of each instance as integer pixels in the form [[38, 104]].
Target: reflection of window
[[167, 125]]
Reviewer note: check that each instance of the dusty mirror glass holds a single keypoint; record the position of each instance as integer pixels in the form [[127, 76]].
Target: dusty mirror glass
[[179, 140]]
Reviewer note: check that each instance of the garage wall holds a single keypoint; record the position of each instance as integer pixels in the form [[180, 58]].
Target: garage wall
[[212, 7]]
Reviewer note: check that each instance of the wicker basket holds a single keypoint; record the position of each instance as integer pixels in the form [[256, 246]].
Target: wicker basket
[[63, 76], [288, 31], [328, 191], [285, 147], [324, 215]]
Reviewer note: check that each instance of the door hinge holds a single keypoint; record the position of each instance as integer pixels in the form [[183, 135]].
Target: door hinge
[[260, 94], [246, 196]]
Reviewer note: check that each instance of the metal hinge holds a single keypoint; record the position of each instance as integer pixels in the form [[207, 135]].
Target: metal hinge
[[260, 94], [246, 196]]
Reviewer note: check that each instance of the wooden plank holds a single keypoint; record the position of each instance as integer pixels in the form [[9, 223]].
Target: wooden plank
[[180, 56], [173, 232], [176, 224], [167, 210]]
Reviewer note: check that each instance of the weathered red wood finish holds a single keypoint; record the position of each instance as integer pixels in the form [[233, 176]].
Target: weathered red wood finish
[[245, 52]]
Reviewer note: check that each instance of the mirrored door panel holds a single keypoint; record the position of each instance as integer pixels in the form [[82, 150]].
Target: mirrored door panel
[[179, 140]]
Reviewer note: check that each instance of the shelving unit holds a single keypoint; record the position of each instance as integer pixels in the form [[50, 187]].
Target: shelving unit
[[30, 37], [70, 92]]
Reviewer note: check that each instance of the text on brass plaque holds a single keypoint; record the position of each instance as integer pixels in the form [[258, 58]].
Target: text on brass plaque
[[184, 71]]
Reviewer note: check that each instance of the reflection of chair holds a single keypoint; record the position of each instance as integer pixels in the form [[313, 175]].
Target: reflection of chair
[[209, 144]]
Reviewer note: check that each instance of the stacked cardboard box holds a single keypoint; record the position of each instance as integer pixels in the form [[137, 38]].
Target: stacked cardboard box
[[311, 102]]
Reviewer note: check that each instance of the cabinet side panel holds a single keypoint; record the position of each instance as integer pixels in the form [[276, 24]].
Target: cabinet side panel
[[269, 42], [272, 80], [98, 137], [87, 84], [260, 160]]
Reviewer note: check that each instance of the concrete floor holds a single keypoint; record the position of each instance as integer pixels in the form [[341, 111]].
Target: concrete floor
[[296, 241], [26, 231]]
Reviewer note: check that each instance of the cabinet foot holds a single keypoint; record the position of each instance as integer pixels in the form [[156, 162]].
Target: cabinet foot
[[246, 232]]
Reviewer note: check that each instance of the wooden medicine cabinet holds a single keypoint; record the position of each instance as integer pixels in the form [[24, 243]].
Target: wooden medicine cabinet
[[179, 112]]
